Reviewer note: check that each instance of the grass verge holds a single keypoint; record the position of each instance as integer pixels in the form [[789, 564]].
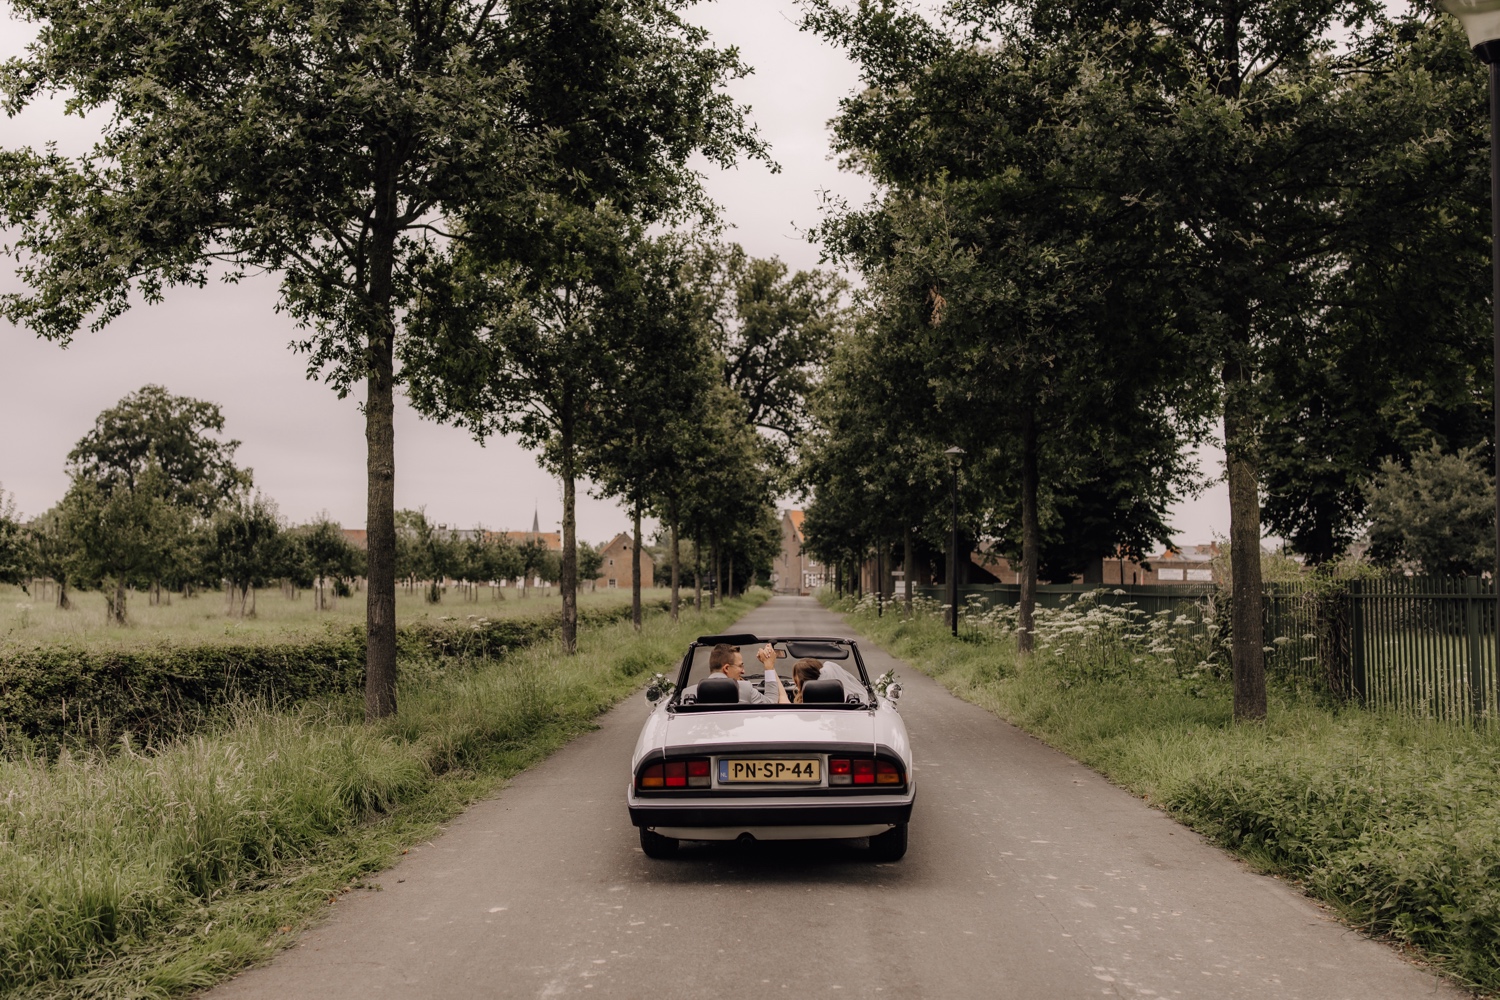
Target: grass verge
[[151, 875], [1395, 823]]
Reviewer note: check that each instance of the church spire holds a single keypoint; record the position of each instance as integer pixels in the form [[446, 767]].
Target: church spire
[[536, 524]]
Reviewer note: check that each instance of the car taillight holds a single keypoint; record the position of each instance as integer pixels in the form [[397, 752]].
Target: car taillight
[[697, 774], [690, 773], [863, 771]]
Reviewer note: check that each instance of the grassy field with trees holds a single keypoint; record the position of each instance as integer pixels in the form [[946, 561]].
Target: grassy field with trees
[[27, 621], [156, 874], [1395, 823]]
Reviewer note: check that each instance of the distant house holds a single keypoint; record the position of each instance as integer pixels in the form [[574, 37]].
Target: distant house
[[614, 565], [1189, 564], [357, 537], [793, 571]]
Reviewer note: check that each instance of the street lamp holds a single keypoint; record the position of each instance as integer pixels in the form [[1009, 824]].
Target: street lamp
[[1481, 19], [955, 459]]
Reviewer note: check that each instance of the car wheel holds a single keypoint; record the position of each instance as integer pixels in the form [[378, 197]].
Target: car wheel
[[657, 846], [888, 846]]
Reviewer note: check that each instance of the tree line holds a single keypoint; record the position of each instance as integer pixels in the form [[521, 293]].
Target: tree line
[[157, 505], [489, 206], [1106, 230]]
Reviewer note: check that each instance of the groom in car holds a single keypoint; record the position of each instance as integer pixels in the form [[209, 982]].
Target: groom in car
[[725, 660]]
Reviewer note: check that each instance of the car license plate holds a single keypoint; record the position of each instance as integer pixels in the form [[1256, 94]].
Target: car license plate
[[805, 771]]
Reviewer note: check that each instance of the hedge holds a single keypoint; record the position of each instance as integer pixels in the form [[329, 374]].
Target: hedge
[[63, 695]]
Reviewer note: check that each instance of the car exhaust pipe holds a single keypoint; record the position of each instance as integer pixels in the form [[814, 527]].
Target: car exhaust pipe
[[745, 838]]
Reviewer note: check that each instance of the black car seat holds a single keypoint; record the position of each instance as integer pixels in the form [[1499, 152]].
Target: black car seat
[[716, 689], [822, 692]]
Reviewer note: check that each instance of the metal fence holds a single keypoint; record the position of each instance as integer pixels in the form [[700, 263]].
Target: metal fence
[[1420, 646]]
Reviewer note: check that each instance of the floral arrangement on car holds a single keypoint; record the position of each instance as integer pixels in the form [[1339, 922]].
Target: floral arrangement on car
[[659, 686], [886, 685]]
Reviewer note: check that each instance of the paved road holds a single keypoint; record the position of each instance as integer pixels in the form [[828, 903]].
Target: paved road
[[1029, 877]]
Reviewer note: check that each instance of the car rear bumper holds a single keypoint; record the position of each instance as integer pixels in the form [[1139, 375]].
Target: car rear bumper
[[742, 814]]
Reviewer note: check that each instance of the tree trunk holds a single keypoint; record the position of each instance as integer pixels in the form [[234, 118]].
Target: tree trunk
[[1031, 535], [713, 590], [64, 603], [117, 603], [729, 578], [908, 567], [380, 515], [697, 575], [676, 563], [1246, 629], [635, 567], [569, 569]]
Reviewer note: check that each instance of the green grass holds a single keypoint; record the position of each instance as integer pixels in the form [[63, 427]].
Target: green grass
[[28, 621], [152, 875], [1395, 822]]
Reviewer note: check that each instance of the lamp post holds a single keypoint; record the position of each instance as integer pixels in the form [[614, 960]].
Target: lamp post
[[955, 459], [1481, 19]]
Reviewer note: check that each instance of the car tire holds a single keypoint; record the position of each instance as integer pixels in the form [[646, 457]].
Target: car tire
[[888, 846], [657, 846]]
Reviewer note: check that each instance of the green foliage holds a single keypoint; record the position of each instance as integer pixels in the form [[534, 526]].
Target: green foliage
[[247, 545], [120, 538], [590, 559], [1438, 513], [1392, 821], [774, 331], [175, 433], [17, 550], [61, 695], [254, 825]]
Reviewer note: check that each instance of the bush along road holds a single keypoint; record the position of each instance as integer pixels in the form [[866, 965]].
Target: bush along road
[[1395, 823], [158, 872]]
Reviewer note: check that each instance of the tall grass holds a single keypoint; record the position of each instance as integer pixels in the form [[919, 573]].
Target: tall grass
[[1394, 821], [152, 874]]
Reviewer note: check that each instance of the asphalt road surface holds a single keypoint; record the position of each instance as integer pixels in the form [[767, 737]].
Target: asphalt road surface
[[1028, 877]]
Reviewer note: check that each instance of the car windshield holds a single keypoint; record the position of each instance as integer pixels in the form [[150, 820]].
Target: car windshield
[[838, 653]]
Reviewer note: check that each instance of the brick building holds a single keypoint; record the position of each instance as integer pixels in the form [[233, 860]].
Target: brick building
[[614, 567]]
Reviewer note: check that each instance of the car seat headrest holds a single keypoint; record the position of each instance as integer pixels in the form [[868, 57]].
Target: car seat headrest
[[716, 689], [822, 692]]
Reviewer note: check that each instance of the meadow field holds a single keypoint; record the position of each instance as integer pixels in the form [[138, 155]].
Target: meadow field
[[30, 621]]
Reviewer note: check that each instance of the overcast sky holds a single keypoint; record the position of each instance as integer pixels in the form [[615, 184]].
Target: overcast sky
[[226, 343]]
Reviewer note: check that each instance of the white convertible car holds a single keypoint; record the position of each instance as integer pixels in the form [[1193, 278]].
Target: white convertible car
[[709, 766]]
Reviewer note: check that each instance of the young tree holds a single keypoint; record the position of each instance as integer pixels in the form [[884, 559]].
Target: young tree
[[178, 433], [326, 555], [246, 549], [1439, 512], [590, 559], [55, 553], [121, 538], [17, 552]]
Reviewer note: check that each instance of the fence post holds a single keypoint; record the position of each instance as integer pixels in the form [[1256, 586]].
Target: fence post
[[1356, 601], [1474, 626]]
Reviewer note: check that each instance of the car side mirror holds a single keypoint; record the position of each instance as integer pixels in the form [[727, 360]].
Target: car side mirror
[[653, 694], [893, 692]]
